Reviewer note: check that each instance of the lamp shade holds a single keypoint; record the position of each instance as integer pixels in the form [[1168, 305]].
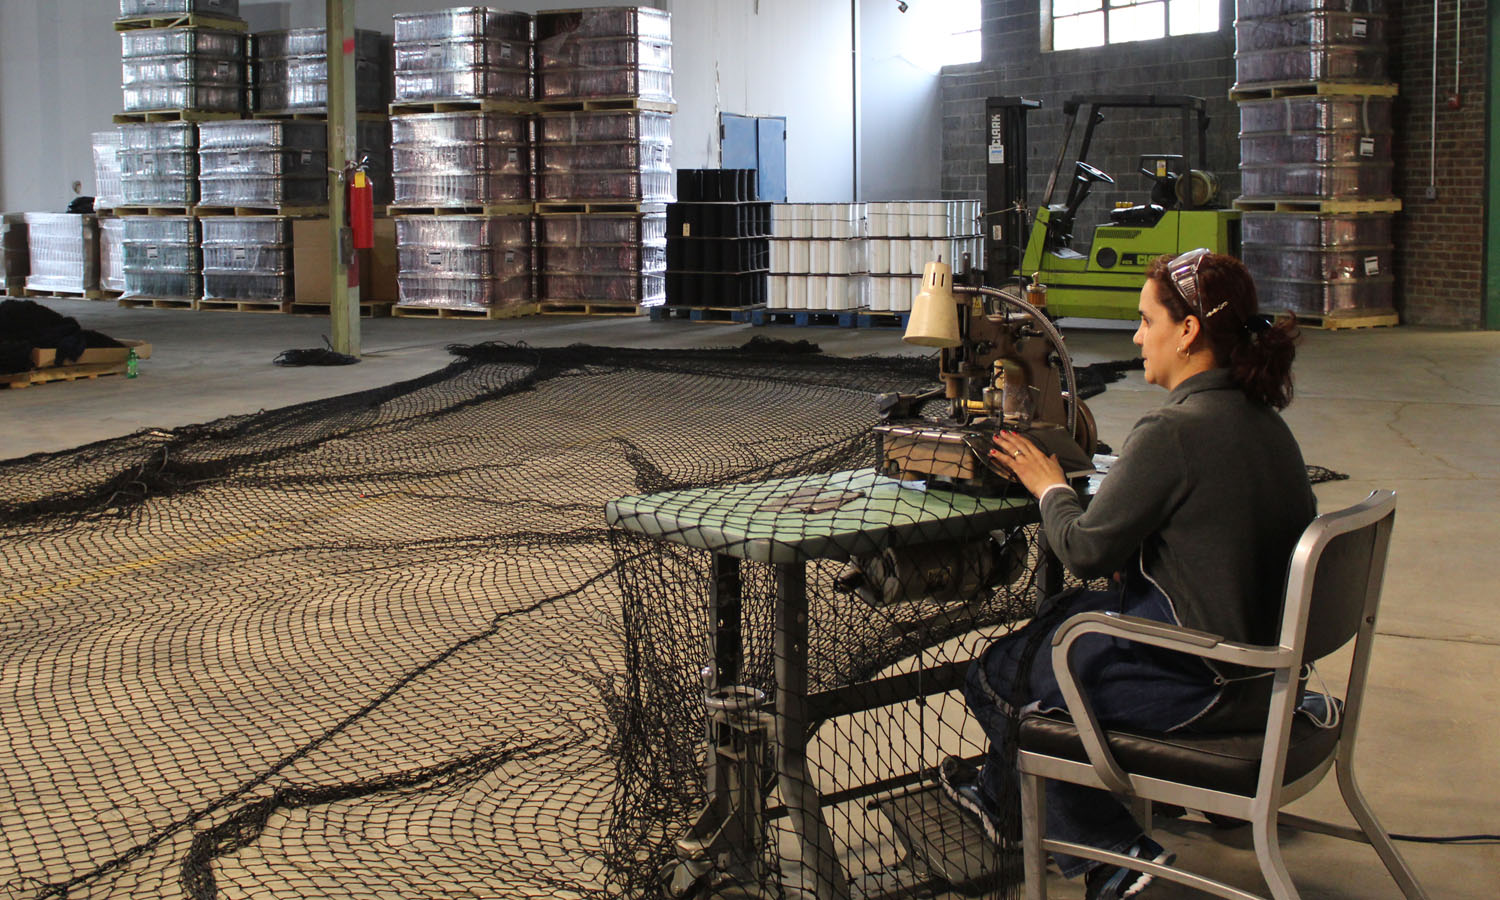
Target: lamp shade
[[934, 312]]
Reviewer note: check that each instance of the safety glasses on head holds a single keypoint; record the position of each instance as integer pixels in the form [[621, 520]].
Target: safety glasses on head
[[1184, 274]]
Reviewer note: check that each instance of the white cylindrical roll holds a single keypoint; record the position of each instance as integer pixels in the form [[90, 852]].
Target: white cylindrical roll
[[776, 296], [817, 292], [797, 253], [817, 260]]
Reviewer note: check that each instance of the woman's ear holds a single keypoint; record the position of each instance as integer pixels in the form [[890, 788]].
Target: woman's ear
[[1192, 329]]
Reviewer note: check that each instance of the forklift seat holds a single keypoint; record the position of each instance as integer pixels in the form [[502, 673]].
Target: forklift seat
[[1144, 215]]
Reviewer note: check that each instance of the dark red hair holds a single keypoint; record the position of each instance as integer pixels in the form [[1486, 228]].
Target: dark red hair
[[1258, 353]]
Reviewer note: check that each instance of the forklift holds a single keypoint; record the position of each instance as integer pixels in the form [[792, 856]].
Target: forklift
[[1101, 279]]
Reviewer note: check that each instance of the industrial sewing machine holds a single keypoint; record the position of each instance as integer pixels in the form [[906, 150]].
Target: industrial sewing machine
[[1003, 366]]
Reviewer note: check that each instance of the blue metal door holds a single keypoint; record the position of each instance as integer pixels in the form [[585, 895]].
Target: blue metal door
[[759, 143]]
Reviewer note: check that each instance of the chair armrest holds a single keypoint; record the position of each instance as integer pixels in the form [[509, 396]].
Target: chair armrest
[[1152, 633]]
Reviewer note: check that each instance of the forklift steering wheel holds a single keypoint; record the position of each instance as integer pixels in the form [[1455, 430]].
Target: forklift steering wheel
[[1089, 173]]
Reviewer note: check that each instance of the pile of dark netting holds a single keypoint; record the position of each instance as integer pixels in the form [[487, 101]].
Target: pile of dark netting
[[386, 645]]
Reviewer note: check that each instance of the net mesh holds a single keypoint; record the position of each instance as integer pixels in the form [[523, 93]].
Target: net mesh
[[388, 644]]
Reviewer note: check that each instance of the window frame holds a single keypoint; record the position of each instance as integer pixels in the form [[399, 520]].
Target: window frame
[[1104, 7]]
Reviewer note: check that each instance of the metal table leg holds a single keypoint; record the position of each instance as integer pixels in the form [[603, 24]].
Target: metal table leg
[[819, 865]]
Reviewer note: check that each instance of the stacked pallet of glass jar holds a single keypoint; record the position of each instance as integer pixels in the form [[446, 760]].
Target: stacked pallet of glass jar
[[257, 176], [905, 235], [604, 171], [461, 135], [182, 63], [718, 243], [1316, 168], [109, 194], [819, 257]]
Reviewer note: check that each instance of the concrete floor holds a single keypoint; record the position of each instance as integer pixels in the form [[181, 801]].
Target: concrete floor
[[1413, 410]]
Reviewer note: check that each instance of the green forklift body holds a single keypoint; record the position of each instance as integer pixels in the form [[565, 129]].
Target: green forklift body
[[1106, 282]]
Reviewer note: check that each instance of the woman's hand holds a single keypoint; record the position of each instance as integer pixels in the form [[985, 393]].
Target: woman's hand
[[1034, 469]]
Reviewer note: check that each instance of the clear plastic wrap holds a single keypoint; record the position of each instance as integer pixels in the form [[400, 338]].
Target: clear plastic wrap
[[161, 256], [239, 189], [1352, 180], [161, 230], [167, 71], [246, 230], [1306, 29], [415, 189], [1316, 113], [1314, 264], [438, 159], [160, 190], [63, 252], [13, 245], [463, 21], [108, 193], [466, 84], [426, 129], [135, 8], [142, 257], [604, 257], [624, 287], [184, 96], [151, 281], [255, 134], [642, 156], [158, 136], [250, 286], [640, 187], [312, 42], [462, 292], [464, 231], [268, 259], [612, 125], [652, 53], [301, 84], [1254, 9], [141, 164], [1317, 230], [605, 21], [147, 42], [1326, 63], [1314, 147], [617, 81], [290, 163], [606, 228], [487, 261], [462, 53], [112, 254], [1326, 297]]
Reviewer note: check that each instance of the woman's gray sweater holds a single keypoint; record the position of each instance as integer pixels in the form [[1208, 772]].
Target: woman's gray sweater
[[1212, 492]]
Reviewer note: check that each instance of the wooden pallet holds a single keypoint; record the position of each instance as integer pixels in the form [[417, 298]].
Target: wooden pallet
[[589, 308], [174, 115], [153, 210], [61, 373], [107, 294], [828, 318], [486, 313], [1276, 89], [1317, 205], [255, 306], [128, 302], [1337, 321], [181, 20], [313, 115], [92, 294], [317, 211], [493, 209], [572, 207], [606, 104], [368, 309], [416, 107], [722, 315]]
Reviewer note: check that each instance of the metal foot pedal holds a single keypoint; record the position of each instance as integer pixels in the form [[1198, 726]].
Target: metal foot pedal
[[941, 838]]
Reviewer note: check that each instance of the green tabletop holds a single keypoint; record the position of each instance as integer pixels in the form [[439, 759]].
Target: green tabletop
[[829, 516]]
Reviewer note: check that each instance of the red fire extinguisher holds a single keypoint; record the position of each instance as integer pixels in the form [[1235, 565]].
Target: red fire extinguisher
[[361, 208]]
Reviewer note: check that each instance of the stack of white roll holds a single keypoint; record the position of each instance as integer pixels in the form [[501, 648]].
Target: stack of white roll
[[819, 256], [906, 235]]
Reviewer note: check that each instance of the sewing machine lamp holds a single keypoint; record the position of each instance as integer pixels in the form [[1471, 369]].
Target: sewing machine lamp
[[934, 312]]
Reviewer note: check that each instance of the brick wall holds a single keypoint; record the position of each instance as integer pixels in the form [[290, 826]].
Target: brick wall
[[1200, 65], [1440, 243]]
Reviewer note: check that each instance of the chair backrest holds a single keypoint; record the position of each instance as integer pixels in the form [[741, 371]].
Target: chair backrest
[[1336, 574]]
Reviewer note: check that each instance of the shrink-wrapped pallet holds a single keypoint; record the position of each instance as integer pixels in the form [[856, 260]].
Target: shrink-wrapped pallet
[[183, 69], [464, 262], [606, 52], [63, 252], [291, 71], [159, 164], [112, 254], [162, 258], [468, 53], [137, 8], [461, 159], [108, 191], [247, 258]]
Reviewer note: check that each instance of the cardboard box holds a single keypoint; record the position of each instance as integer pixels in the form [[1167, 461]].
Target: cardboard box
[[46, 358], [311, 262]]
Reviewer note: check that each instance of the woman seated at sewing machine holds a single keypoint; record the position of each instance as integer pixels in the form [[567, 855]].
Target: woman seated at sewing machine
[[1196, 522]]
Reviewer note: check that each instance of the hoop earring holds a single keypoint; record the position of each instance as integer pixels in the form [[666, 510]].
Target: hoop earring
[[1183, 353]]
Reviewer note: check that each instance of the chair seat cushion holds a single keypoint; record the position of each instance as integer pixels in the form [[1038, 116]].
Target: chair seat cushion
[[1221, 762]]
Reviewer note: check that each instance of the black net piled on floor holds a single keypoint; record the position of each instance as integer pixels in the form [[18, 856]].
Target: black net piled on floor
[[376, 645]]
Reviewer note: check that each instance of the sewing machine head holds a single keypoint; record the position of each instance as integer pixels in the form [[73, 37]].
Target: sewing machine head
[[1003, 366]]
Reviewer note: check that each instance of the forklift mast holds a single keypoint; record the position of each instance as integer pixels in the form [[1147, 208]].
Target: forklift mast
[[1006, 218]]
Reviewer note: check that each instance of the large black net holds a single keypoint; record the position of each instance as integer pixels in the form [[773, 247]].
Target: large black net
[[389, 645]]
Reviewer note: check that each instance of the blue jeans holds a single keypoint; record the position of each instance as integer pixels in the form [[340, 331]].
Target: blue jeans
[[1131, 686]]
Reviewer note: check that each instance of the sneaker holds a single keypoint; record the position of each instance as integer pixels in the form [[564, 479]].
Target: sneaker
[[1107, 882], [960, 782]]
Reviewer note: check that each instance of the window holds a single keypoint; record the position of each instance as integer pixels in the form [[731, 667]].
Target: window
[[1073, 24], [937, 33], [964, 39]]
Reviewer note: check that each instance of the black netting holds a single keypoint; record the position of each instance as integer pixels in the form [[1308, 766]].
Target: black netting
[[387, 645]]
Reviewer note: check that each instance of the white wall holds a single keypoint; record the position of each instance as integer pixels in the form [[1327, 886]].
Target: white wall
[[60, 73]]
